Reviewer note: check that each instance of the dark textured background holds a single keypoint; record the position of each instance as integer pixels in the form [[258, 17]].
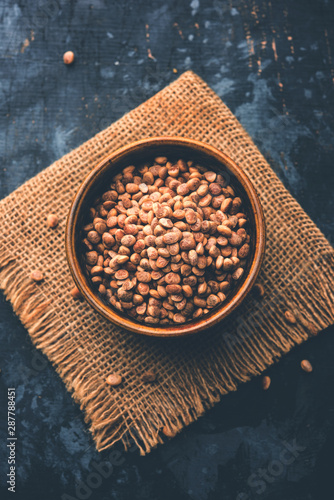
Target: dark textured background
[[272, 62]]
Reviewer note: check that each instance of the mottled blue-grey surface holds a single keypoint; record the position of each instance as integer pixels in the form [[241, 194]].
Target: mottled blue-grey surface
[[272, 62]]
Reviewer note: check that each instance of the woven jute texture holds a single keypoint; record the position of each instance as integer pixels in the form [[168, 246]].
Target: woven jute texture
[[193, 373]]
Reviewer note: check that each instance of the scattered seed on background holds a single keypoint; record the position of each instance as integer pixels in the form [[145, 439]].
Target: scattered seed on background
[[312, 328], [76, 294], [258, 289], [68, 57], [266, 381], [148, 376], [52, 220], [289, 316], [306, 366]]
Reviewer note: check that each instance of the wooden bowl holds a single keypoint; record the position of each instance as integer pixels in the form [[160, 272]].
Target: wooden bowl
[[100, 177]]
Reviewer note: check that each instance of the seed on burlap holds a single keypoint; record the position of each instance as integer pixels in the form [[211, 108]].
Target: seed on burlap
[[289, 316], [149, 376], [114, 379], [76, 294], [258, 289], [266, 381], [37, 276], [306, 366], [168, 432], [52, 220]]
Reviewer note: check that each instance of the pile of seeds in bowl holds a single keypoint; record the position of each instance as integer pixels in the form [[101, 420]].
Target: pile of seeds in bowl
[[167, 242]]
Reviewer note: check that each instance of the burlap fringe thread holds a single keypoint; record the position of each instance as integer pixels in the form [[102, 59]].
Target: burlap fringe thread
[[250, 356]]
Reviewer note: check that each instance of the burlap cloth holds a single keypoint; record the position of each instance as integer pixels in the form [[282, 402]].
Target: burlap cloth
[[193, 373]]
